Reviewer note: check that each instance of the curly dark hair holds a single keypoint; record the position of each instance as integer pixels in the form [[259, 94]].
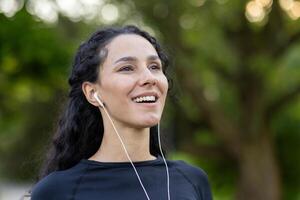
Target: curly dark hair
[[79, 133]]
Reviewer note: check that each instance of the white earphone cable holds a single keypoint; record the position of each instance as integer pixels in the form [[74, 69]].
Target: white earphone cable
[[137, 174], [167, 168]]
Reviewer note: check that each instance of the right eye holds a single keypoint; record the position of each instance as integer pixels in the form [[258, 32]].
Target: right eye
[[126, 68]]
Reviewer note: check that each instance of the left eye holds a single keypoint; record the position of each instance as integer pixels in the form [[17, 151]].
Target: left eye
[[155, 66]]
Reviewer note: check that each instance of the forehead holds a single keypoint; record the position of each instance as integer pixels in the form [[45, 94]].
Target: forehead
[[129, 45]]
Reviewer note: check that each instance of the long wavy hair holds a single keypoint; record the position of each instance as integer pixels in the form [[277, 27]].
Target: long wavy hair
[[80, 131]]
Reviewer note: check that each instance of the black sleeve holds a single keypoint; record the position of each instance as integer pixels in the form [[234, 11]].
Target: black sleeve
[[198, 178], [46, 188]]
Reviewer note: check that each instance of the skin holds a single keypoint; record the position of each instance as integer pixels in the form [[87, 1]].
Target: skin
[[132, 67]]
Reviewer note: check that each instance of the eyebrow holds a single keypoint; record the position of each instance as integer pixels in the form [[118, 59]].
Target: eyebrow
[[131, 58]]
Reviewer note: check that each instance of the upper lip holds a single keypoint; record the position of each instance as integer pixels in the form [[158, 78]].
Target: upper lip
[[147, 94]]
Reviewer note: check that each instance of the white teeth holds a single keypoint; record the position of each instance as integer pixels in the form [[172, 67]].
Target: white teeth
[[145, 98]]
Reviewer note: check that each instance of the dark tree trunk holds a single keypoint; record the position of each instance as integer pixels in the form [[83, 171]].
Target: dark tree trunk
[[259, 174]]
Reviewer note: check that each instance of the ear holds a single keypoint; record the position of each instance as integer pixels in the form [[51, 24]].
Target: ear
[[89, 89]]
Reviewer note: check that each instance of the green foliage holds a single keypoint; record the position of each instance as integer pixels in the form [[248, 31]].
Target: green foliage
[[286, 127], [33, 68]]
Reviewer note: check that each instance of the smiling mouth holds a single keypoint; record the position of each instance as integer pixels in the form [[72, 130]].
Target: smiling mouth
[[145, 99]]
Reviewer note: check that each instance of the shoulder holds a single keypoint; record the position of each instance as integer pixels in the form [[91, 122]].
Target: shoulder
[[196, 176], [57, 183], [47, 187]]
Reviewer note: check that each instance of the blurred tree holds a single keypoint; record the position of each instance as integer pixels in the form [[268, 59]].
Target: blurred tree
[[35, 58]]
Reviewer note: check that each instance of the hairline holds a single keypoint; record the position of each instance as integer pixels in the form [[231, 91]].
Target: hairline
[[103, 50]]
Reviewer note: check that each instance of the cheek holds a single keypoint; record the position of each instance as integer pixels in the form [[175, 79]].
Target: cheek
[[164, 84], [117, 88]]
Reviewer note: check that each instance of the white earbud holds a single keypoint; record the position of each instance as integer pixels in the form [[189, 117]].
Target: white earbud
[[98, 100]]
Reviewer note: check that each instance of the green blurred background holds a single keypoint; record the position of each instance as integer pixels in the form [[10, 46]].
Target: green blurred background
[[234, 110]]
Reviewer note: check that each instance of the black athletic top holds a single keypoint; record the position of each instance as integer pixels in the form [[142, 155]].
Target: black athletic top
[[93, 180]]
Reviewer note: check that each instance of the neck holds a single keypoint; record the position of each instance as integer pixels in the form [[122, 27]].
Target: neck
[[135, 140]]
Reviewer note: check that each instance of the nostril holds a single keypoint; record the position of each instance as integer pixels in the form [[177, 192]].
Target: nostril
[[147, 77], [150, 81]]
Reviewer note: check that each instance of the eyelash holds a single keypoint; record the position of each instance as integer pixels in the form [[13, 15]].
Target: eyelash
[[125, 68], [131, 68], [157, 66]]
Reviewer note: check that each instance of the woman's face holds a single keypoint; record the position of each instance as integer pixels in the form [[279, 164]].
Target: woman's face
[[132, 84]]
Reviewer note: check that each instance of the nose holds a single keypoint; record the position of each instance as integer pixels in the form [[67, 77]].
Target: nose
[[147, 78]]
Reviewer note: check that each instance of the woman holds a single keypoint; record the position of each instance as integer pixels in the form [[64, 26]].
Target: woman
[[107, 145]]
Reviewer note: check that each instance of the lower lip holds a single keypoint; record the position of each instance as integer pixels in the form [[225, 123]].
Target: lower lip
[[148, 105]]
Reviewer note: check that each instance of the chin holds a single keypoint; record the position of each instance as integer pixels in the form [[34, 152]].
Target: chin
[[147, 123], [152, 122]]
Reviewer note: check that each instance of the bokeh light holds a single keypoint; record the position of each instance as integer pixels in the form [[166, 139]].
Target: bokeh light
[[264, 3], [109, 13], [257, 10], [93, 11], [291, 7], [10, 7], [71, 8], [187, 21], [45, 10], [254, 11], [294, 11], [286, 4]]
